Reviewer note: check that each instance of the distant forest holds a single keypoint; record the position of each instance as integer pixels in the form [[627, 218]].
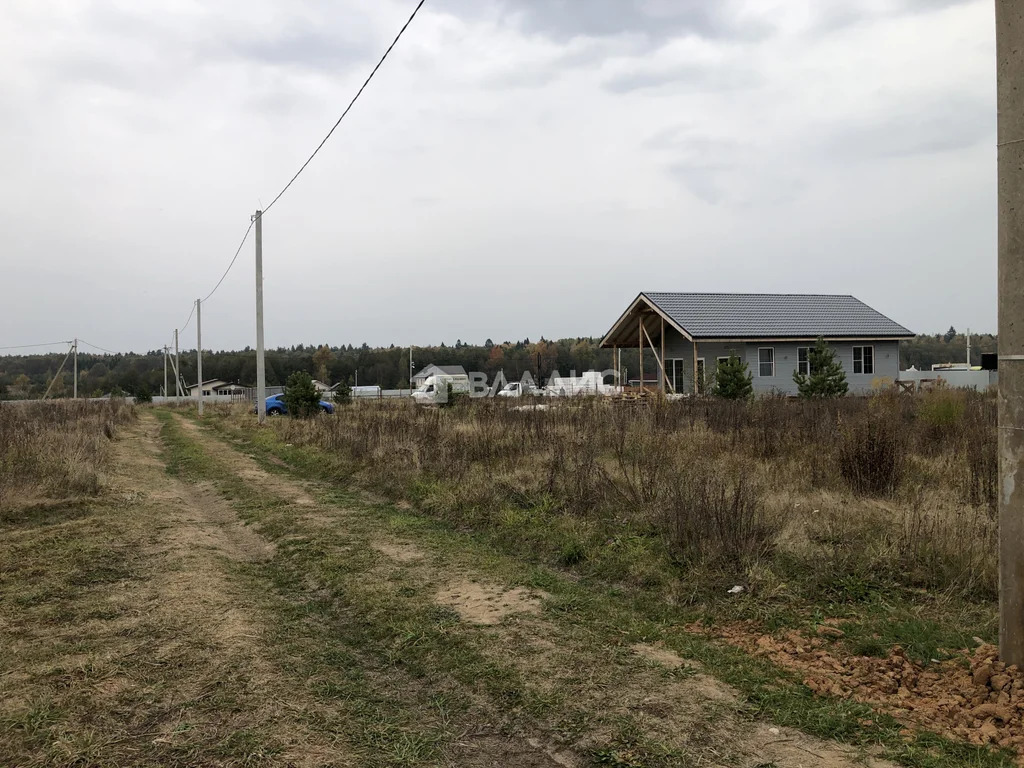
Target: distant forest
[[27, 376]]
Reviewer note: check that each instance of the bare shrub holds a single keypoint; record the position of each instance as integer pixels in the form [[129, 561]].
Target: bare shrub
[[718, 518], [864, 491], [981, 453], [872, 451]]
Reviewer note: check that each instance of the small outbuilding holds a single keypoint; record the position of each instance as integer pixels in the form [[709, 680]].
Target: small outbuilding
[[689, 334]]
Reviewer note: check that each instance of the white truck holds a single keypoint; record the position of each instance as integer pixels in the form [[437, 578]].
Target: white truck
[[435, 388], [589, 383], [519, 389]]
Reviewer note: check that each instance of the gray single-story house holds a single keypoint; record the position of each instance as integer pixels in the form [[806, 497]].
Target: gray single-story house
[[431, 370], [689, 334]]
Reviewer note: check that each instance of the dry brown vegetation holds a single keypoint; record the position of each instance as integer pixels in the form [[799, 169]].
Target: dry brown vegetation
[[56, 449], [836, 498]]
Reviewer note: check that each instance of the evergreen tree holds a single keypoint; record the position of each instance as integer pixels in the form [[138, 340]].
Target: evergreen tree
[[343, 394], [300, 395], [826, 377], [734, 381], [949, 335]]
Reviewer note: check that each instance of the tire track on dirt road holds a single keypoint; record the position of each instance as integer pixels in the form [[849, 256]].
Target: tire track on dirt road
[[592, 699], [160, 660]]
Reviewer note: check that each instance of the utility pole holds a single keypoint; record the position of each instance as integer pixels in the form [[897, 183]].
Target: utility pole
[[177, 370], [199, 353], [968, 349], [1010, 144], [75, 385], [410, 369], [166, 393], [261, 370]]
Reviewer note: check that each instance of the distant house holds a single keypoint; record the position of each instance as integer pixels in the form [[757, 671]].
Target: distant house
[[431, 370], [689, 334], [321, 387], [215, 387]]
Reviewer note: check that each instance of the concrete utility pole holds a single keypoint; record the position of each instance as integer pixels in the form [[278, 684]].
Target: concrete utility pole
[[410, 369], [75, 385], [261, 369], [199, 353], [1010, 142], [166, 393], [177, 370]]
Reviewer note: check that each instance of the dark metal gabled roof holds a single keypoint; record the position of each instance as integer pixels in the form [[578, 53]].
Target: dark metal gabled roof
[[773, 315]]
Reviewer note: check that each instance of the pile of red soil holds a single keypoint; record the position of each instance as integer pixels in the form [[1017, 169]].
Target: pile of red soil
[[973, 697]]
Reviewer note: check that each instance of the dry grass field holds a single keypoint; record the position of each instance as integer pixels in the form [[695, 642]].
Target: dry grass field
[[495, 585]]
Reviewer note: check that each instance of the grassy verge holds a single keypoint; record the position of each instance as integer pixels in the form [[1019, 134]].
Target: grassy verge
[[609, 615], [690, 499]]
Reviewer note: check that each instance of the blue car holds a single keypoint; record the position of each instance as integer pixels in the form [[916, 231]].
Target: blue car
[[276, 406]]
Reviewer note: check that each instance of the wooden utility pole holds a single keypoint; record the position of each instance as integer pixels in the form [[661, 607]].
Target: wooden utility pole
[[1010, 103]]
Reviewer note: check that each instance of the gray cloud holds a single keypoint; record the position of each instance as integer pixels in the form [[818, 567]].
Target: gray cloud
[[724, 77], [655, 19], [938, 124], [838, 16], [449, 178], [308, 47]]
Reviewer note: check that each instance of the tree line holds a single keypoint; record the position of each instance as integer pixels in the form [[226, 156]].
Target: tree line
[[27, 376]]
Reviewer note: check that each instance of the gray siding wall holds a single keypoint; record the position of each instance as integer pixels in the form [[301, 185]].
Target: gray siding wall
[[886, 362]]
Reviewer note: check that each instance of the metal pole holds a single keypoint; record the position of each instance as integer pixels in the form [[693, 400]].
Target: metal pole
[[199, 353], [1010, 143], [261, 370], [75, 386]]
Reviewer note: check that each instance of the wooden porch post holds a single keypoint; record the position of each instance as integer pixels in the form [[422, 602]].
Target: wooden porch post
[[696, 387], [641, 331], [615, 364], [663, 377]]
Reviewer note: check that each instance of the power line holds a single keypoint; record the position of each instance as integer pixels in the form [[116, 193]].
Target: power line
[[101, 349], [358, 93], [233, 260], [189, 320], [319, 146], [46, 344]]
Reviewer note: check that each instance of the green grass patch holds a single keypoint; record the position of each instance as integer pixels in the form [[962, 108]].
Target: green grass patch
[[595, 598]]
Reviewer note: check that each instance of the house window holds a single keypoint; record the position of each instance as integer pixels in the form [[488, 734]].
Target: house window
[[803, 360], [864, 360], [675, 372], [766, 361]]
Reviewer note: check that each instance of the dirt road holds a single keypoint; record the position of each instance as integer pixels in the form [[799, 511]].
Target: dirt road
[[210, 611]]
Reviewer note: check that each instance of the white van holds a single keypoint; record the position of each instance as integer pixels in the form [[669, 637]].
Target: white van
[[519, 389], [435, 388]]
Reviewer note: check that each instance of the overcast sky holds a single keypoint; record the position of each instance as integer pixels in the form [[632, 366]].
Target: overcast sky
[[517, 168]]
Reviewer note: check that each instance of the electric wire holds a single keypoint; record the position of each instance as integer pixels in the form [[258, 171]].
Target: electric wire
[[234, 258], [45, 344], [101, 349], [350, 104], [319, 146]]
